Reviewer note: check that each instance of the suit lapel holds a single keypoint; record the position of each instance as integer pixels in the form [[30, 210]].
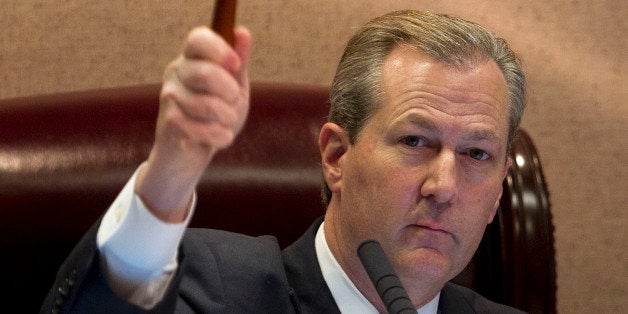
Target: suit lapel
[[452, 301], [305, 277]]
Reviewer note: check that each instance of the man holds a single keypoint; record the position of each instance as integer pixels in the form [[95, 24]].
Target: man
[[424, 108]]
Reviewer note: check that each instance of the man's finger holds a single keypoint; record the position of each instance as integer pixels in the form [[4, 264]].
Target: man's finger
[[205, 77], [242, 46], [206, 108], [203, 43]]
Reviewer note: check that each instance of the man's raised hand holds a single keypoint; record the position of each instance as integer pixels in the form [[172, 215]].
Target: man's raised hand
[[203, 106]]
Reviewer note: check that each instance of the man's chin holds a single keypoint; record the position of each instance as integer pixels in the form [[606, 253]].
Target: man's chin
[[425, 264]]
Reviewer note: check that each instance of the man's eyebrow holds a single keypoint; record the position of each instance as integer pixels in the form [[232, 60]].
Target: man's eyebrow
[[423, 123], [473, 135], [483, 135]]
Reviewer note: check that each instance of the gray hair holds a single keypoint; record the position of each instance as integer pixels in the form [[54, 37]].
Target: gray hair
[[356, 91]]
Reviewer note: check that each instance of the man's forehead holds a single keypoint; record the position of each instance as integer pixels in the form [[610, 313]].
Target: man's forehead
[[411, 79], [407, 63], [409, 75]]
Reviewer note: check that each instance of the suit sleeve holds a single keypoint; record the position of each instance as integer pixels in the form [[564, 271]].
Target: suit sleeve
[[81, 287], [128, 253]]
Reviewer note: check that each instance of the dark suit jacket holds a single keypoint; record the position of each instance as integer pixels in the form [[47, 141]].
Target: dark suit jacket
[[223, 272]]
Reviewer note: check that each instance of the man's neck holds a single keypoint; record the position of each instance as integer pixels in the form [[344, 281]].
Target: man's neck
[[362, 294]]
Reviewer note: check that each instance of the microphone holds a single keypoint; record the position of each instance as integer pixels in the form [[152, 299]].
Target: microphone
[[384, 279]]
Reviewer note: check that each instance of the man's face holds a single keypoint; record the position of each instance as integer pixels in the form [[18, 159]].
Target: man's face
[[424, 177]]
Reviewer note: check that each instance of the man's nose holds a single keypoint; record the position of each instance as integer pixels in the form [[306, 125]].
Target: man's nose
[[441, 181]]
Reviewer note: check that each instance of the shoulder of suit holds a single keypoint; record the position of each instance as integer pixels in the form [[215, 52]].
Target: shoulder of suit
[[229, 247], [241, 273], [459, 294]]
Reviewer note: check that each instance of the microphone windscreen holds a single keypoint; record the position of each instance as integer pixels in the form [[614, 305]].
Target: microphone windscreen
[[384, 278]]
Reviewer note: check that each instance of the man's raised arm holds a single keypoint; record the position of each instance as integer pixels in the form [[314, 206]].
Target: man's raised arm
[[203, 105]]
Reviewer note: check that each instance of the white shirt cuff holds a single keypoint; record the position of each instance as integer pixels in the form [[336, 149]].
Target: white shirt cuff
[[137, 246]]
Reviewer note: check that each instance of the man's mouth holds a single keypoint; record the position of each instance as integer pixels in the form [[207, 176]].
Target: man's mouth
[[432, 227]]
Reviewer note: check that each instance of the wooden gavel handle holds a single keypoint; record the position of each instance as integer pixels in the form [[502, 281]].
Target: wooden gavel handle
[[224, 17]]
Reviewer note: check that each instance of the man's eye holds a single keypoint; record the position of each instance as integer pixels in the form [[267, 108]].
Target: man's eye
[[478, 154], [413, 141]]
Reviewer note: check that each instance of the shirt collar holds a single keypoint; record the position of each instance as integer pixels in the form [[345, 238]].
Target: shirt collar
[[348, 298]]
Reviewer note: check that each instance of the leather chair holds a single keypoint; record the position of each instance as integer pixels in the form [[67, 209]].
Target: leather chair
[[64, 158]]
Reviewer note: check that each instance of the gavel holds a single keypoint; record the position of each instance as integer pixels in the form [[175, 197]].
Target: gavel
[[224, 17]]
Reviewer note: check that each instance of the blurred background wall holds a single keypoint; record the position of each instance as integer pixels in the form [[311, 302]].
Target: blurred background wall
[[573, 53]]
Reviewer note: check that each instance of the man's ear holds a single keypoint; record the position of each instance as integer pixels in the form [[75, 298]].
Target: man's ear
[[495, 206], [333, 143], [501, 191], [508, 165]]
